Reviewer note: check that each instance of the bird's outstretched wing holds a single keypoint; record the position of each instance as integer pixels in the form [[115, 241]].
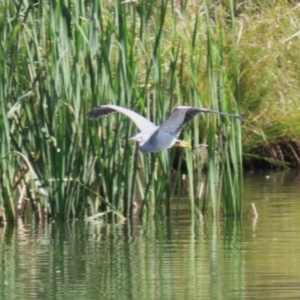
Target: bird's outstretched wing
[[183, 114], [142, 123]]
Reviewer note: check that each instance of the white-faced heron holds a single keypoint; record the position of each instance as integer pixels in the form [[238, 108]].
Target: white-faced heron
[[152, 138]]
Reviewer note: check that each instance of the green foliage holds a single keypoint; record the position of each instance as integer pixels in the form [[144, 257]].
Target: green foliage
[[63, 58], [269, 81]]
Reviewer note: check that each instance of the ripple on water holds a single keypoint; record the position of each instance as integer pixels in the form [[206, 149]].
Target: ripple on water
[[167, 259]]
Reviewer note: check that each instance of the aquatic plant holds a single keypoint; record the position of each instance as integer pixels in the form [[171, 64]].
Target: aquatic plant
[[63, 58]]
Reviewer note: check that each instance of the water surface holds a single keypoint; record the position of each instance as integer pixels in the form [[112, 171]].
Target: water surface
[[167, 259]]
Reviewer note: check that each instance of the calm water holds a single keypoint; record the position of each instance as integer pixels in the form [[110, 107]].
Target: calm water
[[255, 259]]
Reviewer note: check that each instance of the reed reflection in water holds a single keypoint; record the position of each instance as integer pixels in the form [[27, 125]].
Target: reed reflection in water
[[165, 259]]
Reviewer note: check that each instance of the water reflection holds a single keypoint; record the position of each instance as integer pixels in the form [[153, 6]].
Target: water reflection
[[165, 259], [272, 260]]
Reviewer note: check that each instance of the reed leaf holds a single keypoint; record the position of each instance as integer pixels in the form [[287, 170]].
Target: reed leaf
[[63, 58]]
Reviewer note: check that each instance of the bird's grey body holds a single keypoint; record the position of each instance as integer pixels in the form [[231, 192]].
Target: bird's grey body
[[152, 138], [165, 139]]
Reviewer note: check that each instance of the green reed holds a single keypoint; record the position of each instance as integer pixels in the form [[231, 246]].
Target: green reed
[[224, 140], [62, 59]]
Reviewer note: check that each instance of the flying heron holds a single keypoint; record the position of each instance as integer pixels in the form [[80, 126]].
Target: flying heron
[[152, 138]]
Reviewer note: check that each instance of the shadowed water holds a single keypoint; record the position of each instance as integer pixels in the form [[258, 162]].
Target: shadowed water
[[167, 259]]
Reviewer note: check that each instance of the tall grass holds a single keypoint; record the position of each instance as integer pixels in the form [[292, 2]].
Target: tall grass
[[269, 79], [62, 59], [223, 137]]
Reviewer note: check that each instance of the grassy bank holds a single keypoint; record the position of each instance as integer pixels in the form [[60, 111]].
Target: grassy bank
[[62, 59], [269, 68]]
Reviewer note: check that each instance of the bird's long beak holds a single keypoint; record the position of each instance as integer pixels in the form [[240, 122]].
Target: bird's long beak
[[183, 144]]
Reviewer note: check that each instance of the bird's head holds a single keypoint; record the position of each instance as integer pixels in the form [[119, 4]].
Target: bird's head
[[141, 138]]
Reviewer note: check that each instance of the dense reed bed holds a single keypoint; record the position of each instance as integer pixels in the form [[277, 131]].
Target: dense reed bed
[[61, 59]]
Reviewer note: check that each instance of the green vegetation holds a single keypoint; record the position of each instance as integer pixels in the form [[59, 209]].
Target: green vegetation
[[60, 60], [268, 43]]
